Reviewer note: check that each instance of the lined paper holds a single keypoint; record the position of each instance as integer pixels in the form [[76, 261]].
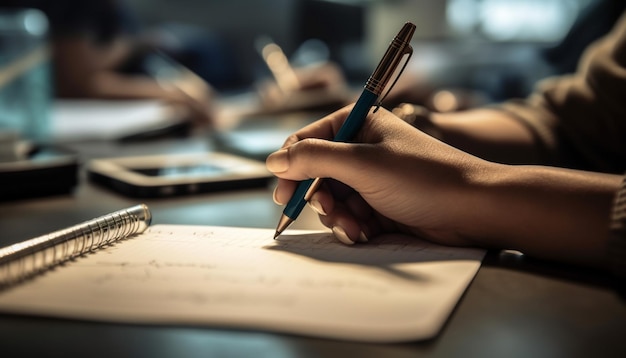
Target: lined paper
[[394, 288]]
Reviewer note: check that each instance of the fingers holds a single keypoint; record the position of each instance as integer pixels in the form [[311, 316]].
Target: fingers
[[329, 159], [283, 191], [310, 154], [325, 128], [345, 226], [347, 215], [322, 201], [280, 163]]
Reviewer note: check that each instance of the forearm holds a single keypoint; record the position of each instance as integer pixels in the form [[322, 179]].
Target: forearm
[[109, 84], [545, 212], [490, 134]]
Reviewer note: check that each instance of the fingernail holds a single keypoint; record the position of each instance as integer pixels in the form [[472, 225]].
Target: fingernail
[[278, 161], [275, 197], [362, 237], [341, 235], [317, 207]]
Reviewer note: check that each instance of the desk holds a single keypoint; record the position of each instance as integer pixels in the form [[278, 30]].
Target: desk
[[515, 307]]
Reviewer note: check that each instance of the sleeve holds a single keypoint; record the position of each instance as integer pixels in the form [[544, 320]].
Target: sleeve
[[617, 238], [580, 120]]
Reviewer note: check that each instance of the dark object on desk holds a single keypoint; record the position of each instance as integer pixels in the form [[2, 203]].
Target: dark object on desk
[[45, 171], [179, 129], [180, 174]]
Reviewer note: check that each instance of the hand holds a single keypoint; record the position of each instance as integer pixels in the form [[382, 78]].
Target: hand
[[394, 178], [195, 96], [324, 75], [319, 86]]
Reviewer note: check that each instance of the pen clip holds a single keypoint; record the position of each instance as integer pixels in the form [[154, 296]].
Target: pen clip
[[408, 52]]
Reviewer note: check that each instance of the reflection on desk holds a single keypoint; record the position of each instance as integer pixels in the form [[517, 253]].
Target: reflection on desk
[[73, 120]]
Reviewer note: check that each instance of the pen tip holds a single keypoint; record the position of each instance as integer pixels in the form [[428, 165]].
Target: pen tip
[[282, 225]]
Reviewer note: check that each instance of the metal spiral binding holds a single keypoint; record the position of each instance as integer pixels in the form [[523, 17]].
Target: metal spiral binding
[[34, 256]]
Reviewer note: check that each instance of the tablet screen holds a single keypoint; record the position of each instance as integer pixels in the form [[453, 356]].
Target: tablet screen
[[178, 171]]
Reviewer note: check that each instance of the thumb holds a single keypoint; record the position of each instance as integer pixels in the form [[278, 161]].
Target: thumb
[[313, 158]]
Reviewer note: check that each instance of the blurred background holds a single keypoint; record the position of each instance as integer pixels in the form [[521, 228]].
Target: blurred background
[[498, 48], [195, 53]]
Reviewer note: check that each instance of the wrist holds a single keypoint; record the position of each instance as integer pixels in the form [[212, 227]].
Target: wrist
[[478, 219], [550, 213]]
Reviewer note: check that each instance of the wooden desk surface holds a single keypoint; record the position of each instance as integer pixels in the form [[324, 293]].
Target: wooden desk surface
[[515, 307]]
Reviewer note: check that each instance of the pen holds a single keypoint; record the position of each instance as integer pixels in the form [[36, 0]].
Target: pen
[[374, 86], [279, 65]]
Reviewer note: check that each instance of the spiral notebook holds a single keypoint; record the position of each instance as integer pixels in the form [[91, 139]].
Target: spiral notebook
[[118, 269]]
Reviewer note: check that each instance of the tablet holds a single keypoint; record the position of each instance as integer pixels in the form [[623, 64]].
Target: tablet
[[177, 174]]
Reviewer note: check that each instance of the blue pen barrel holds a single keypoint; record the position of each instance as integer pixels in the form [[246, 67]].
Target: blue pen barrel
[[296, 204], [348, 130], [357, 116], [399, 47]]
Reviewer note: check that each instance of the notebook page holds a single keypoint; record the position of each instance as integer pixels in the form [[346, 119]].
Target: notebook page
[[391, 289]]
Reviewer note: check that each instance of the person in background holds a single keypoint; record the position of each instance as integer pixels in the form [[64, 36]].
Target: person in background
[[544, 175], [99, 51]]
